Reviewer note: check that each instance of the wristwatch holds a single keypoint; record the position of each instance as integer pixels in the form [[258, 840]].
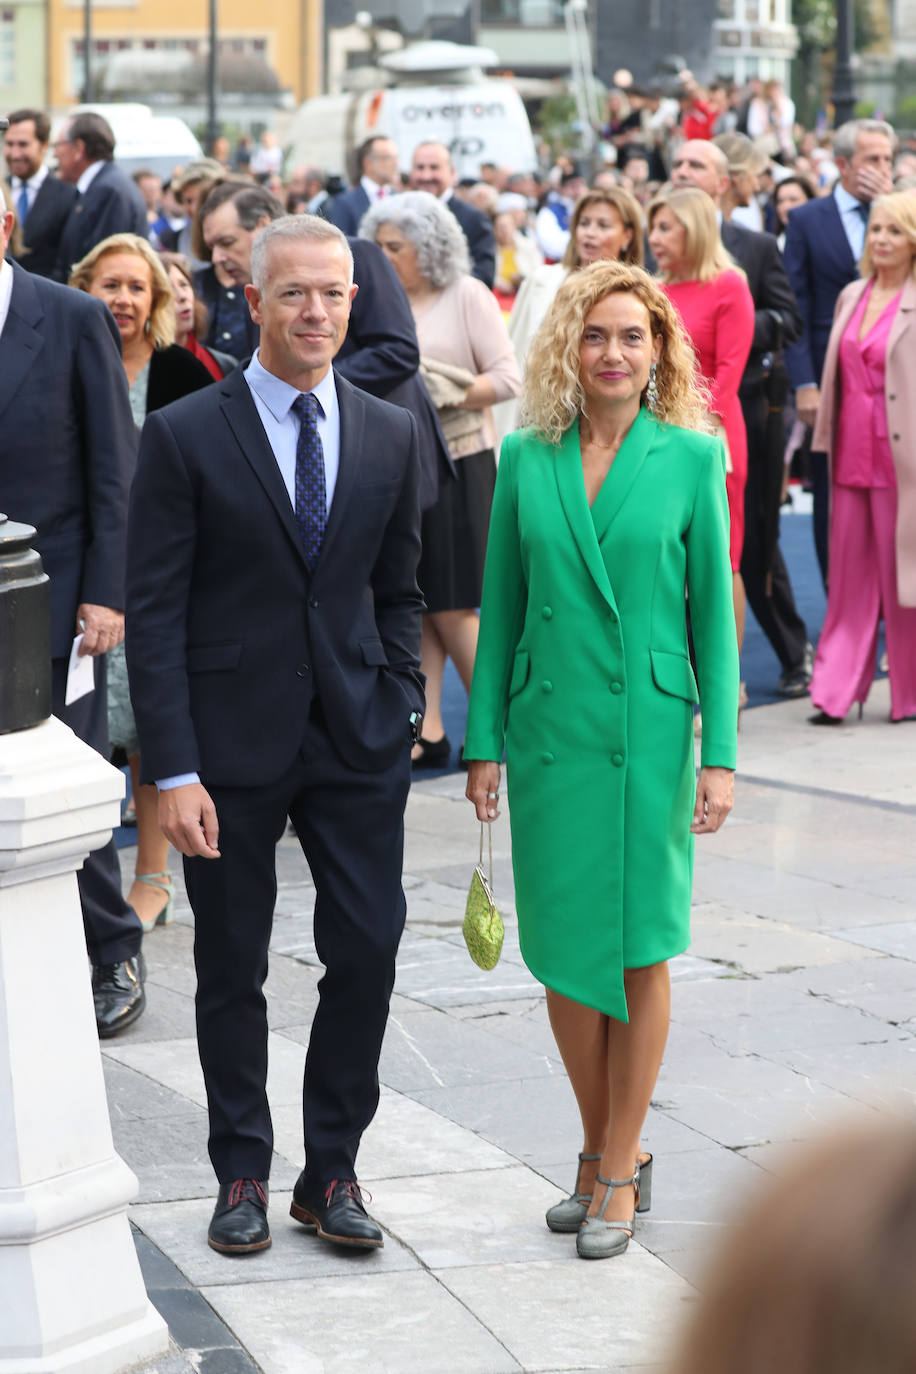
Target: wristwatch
[[415, 721]]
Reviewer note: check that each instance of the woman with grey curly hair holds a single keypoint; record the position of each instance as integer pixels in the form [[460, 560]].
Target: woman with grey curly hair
[[467, 362]]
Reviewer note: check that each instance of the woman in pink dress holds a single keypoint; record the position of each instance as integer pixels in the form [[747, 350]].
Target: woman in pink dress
[[867, 425], [711, 295]]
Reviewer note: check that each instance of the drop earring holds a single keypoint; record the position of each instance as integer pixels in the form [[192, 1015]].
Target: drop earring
[[652, 390]]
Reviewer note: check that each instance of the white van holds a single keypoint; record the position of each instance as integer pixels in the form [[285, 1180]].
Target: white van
[[439, 96], [143, 139]]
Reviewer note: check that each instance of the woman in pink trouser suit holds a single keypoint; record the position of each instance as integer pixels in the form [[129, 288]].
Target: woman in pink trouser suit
[[867, 424]]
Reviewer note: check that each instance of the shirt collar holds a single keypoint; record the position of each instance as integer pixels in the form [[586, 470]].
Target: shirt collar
[[278, 396], [845, 202], [89, 177], [33, 183]]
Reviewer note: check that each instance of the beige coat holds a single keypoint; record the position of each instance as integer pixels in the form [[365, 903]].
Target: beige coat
[[900, 397]]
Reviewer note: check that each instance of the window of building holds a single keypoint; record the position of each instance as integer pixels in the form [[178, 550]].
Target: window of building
[[7, 47], [526, 13]]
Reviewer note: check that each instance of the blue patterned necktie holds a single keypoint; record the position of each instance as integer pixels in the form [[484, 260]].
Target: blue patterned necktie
[[863, 211], [311, 488], [22, 204]]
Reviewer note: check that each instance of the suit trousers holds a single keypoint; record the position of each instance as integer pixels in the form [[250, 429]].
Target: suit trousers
[[351, 828], [113, 930], [863, 589], [763, 568]]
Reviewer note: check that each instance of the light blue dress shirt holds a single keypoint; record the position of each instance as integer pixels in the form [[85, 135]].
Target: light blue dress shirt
[[850, 214], [273, 399]]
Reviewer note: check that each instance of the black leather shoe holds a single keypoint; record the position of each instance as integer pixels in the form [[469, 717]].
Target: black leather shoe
[[822, 718], [117, 991], [336, 1212], [434, 753], [239, 1222]]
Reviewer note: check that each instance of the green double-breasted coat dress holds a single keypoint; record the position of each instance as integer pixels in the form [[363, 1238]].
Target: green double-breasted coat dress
[[583, 674]]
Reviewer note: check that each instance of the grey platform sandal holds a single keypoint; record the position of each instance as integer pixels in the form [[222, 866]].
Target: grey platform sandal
[[569, 1214], [598, 1238]]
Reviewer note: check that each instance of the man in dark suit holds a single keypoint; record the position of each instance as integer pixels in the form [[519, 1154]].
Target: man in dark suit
[[824, 242], [702, 163], [432, 170], [42, 201], [66, 461], [273, 649], [377, 161], [107, 201]]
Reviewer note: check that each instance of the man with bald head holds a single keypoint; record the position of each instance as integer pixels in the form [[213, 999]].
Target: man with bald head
[[703, 164], [432, 170]]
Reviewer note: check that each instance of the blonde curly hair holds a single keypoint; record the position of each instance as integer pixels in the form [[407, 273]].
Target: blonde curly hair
[[553, 398]]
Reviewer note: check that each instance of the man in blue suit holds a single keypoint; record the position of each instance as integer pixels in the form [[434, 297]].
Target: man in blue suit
[[107, 202], [824, 242], [377, 160], [66, 462], [432, 171], [273, 637]]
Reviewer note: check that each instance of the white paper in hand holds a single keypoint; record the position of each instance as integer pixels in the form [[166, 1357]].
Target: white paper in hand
[[80, 674]]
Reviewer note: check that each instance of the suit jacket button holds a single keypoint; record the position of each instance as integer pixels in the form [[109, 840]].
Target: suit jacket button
[[547, 688], [314, 602], [547, 757], [303, 670], [546, 612], [892, 397], [616, 688], [896, 438], [617, 760]]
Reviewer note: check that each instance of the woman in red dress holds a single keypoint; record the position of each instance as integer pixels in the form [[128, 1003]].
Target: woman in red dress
[[711, 295]]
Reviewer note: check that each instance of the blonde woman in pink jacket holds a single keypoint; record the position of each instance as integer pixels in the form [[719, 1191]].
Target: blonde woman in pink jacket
[[867, 424]]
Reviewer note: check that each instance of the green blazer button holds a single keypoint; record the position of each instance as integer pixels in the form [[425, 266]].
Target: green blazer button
[[547, 757], [617, 760], [616, 688], [546, 612], [546, 688]]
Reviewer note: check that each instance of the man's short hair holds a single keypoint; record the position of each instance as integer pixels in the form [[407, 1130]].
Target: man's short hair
[[39, 119], [311, 228], [252, 203], [96, 133], [365, 148], [844, 140], [142, 172]]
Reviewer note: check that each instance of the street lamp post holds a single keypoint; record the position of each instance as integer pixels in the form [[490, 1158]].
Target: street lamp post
[[87, 51], [212, 77], [844, 96]]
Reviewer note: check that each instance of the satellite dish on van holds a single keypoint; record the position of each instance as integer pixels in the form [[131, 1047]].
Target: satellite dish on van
[[437, 56]]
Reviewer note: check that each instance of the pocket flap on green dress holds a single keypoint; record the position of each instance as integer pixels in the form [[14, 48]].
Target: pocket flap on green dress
[[520, 670], [674, 675]]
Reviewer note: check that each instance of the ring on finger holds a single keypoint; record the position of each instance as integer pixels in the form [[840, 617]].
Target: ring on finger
[[492, 796]]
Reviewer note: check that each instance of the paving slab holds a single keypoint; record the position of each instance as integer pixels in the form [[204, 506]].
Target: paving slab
[[389, 1323]]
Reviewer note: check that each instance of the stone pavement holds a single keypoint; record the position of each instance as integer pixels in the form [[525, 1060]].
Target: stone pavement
[[795, 1007]]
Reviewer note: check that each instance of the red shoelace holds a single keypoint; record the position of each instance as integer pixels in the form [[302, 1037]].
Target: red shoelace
[[350, 1188], [246, 1190]]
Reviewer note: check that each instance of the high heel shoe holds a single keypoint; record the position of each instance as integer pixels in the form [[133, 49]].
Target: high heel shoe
[[434, 753], [569, 1214], [598, 1238], [644, 1194], [822, 718], [164, 883]]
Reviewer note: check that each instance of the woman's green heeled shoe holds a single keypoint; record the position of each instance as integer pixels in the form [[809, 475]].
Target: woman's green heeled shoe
[[598, 1238], [164, 883], [569, 1214]]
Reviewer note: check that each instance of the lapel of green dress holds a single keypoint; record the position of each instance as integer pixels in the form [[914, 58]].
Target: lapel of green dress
[[624, 471], [571, 484]]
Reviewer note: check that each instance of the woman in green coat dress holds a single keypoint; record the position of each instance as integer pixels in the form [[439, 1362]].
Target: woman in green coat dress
[[610, 512]]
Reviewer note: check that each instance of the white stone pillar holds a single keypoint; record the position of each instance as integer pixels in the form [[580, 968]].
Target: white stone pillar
[[71, 1294]]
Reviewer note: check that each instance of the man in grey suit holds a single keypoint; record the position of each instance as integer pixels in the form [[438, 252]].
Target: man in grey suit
[[107, 202]]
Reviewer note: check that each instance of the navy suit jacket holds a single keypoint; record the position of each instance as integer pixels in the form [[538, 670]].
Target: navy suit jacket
[[44, 225], [820, 263], [229, 635], [69, 443], [478, 230], [348, 209], [777, 321], [112, 205]]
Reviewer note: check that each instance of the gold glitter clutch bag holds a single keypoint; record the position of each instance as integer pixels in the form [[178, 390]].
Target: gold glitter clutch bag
[[483, 928]]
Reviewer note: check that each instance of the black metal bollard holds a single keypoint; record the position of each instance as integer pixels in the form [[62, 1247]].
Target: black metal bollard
[[25, 631]]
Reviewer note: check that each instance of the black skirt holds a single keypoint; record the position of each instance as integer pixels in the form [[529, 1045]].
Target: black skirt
[[454, 533]]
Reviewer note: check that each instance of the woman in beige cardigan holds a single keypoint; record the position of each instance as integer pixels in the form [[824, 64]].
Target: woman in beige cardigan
[[867, 425], [467, 363]]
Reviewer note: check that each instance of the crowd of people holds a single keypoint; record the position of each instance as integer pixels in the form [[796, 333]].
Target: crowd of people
[[646, 348]]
